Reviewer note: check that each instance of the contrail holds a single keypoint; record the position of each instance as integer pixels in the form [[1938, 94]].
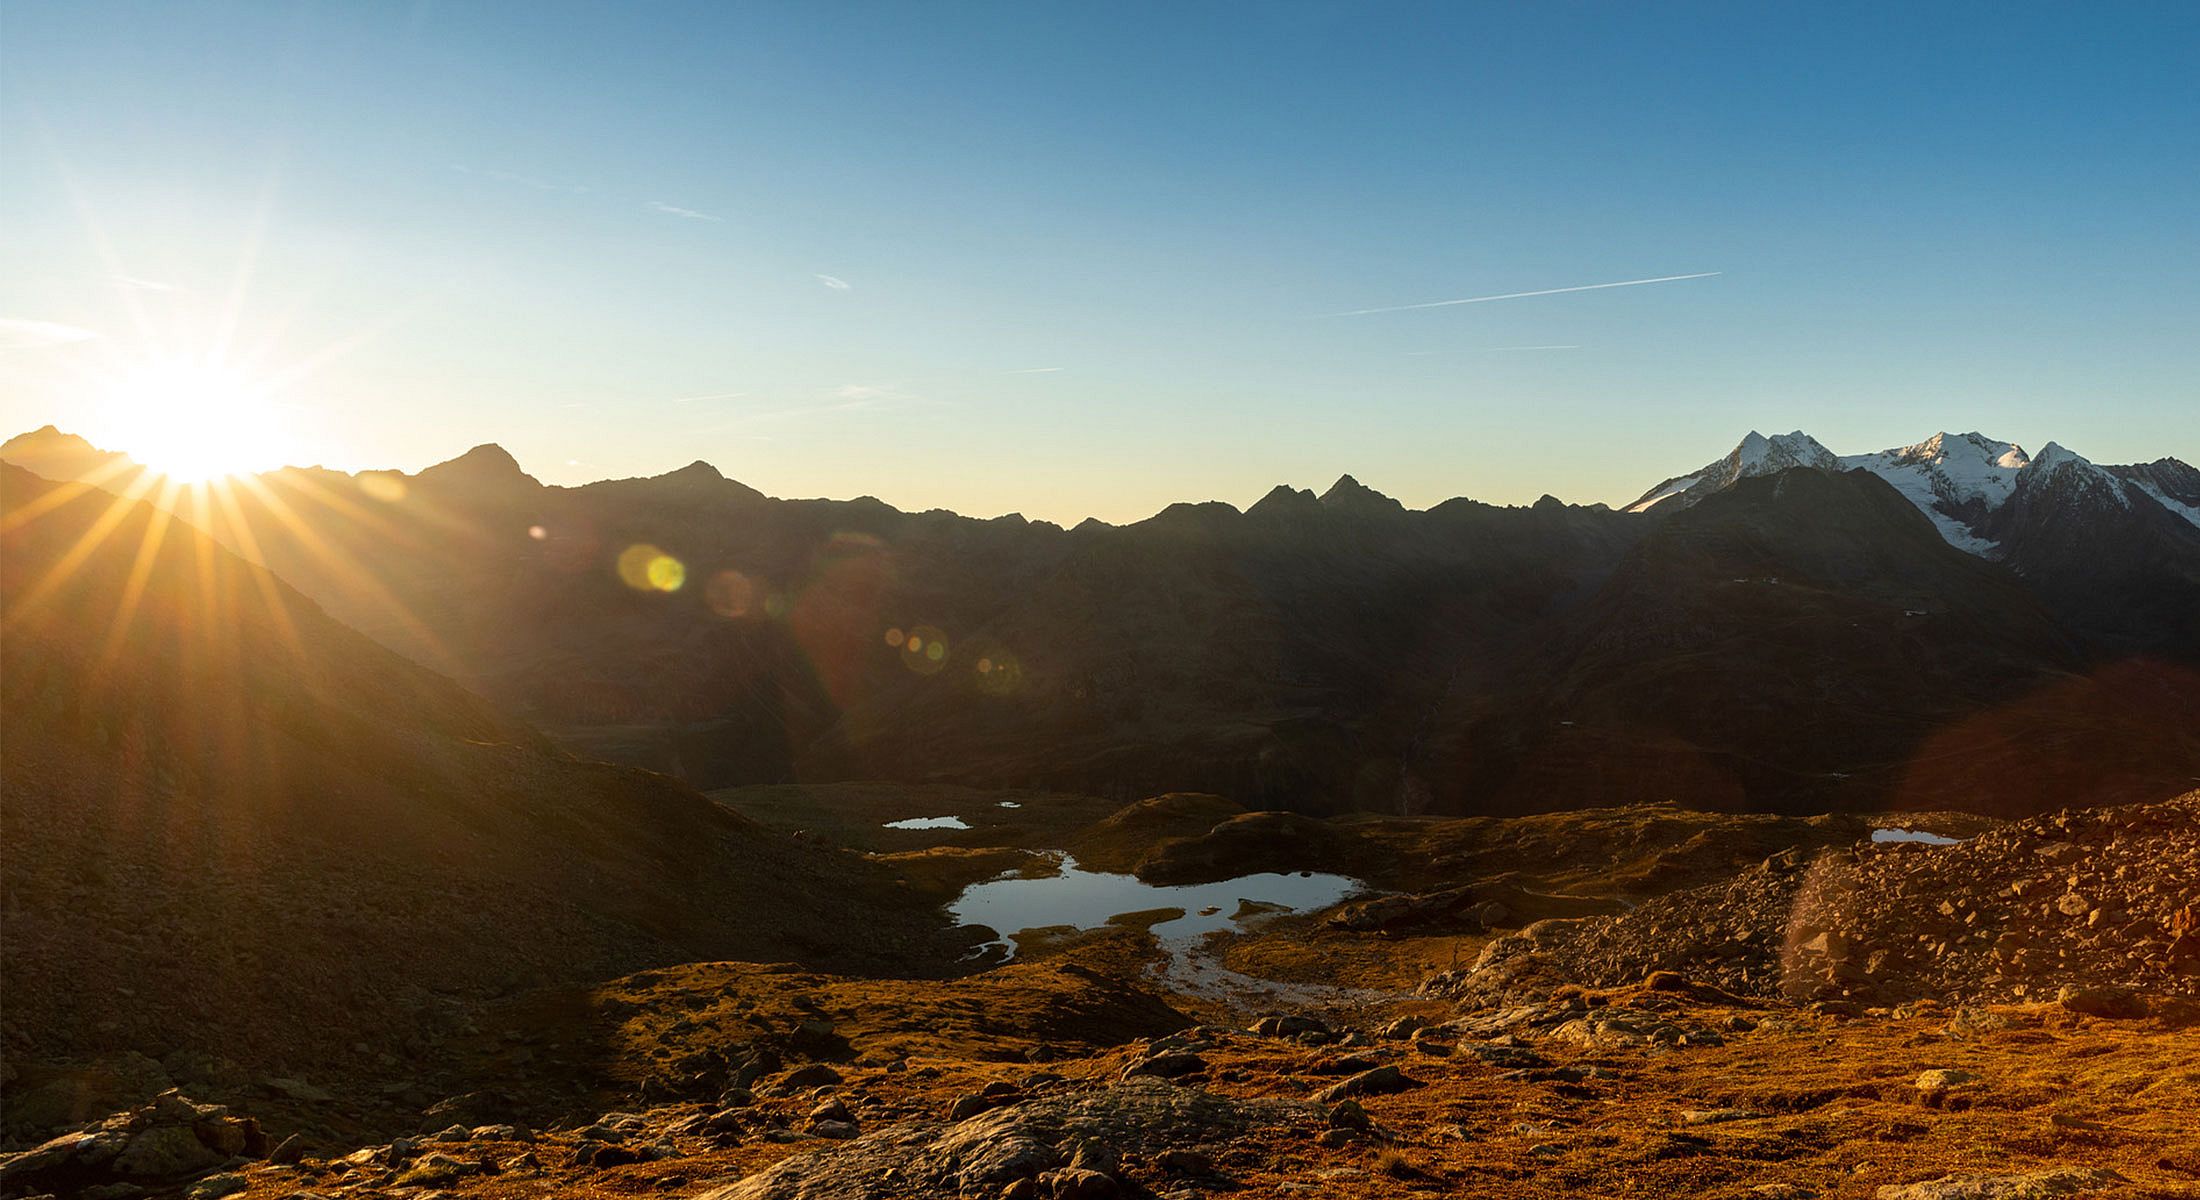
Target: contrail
[[1587, 287]]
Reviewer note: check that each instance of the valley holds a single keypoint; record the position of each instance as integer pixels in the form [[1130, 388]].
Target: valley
[[1763, 843]]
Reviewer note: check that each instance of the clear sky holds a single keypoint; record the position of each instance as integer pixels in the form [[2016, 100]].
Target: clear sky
[[1087, 259]]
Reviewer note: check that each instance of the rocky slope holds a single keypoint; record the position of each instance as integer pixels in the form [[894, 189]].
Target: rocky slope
[[2101, 902]]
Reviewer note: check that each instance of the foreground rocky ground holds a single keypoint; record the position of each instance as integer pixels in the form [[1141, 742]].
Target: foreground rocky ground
[[2014, 1016]]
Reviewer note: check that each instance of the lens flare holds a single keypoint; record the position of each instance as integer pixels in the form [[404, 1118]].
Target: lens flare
[[924, 650], [730, 594], [645, 568]]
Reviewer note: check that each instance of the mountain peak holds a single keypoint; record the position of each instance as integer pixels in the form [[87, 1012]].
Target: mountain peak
[[485, 466], [63, 457], [698, 471], [1282, 499], [2054, 455], [1760, 455], [1350, 495], [1755, 454]]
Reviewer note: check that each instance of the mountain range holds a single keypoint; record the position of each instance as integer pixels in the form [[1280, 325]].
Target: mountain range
[[1784, 628]]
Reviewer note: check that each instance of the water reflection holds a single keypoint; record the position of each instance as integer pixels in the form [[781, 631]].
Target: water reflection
[[1085, 899]]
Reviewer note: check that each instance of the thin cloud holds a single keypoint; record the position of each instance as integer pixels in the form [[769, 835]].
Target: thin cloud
[[710, 396], [865, 392], [1034, 371], [1586, 287], [136, 284], [19, 334], [836, 283], [1487, 350], [527, 181], [677, 211], [850, 397]]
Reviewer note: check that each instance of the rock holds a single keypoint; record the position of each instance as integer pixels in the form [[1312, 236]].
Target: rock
[[972, 1105], [291, 1149], [1076, 1183], [434, 1170], [167, 1140], [1093, 1155], [1943, 1079], [2112, 1003], [608, 1154], [296, 1089], [805, 1077], [1186, 1162], [1380, 1081], [832, 1109], [215, 1186], [455, 1133], [2066, 1181], [1404, 1027], [1349, 1115], [835, 1130], [1290, 1025], [1167, 1066], [1718, 1116], [1037, 1137], [468, 1109], [167, 1152]]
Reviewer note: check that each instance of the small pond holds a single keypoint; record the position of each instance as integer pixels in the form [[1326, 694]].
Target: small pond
[[929, 823], [1086, 899], [1914, 835]]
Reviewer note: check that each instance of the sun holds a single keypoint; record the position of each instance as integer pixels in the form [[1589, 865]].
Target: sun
[[193, 421]]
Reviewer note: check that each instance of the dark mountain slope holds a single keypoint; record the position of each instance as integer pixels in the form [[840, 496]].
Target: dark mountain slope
[[1293, 654], [2106, 552], [1796, 642], [238, 826]]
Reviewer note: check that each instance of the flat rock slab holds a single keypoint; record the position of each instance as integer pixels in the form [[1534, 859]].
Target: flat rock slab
[[1142, 1116], [2043, 1186]]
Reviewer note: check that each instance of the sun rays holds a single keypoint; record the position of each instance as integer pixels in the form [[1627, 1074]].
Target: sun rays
[[192, 420]]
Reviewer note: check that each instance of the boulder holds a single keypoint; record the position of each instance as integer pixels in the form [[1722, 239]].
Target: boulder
[[1380, 1081], [167, 1141], [2113, 1003]]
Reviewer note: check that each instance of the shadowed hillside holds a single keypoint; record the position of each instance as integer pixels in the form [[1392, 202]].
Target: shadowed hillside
[[236, 825], [1805, 640]]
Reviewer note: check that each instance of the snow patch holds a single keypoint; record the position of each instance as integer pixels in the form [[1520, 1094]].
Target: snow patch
[[1664, 491], [2182, 509]]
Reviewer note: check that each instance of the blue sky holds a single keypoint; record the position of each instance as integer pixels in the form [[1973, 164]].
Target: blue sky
[[1092, 255]]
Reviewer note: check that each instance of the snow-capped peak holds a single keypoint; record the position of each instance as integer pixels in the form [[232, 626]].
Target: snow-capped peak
[[2072, 473], [1960, 481], [2054, 456], [1759, 455], [1755, 455], [1959, 477]]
